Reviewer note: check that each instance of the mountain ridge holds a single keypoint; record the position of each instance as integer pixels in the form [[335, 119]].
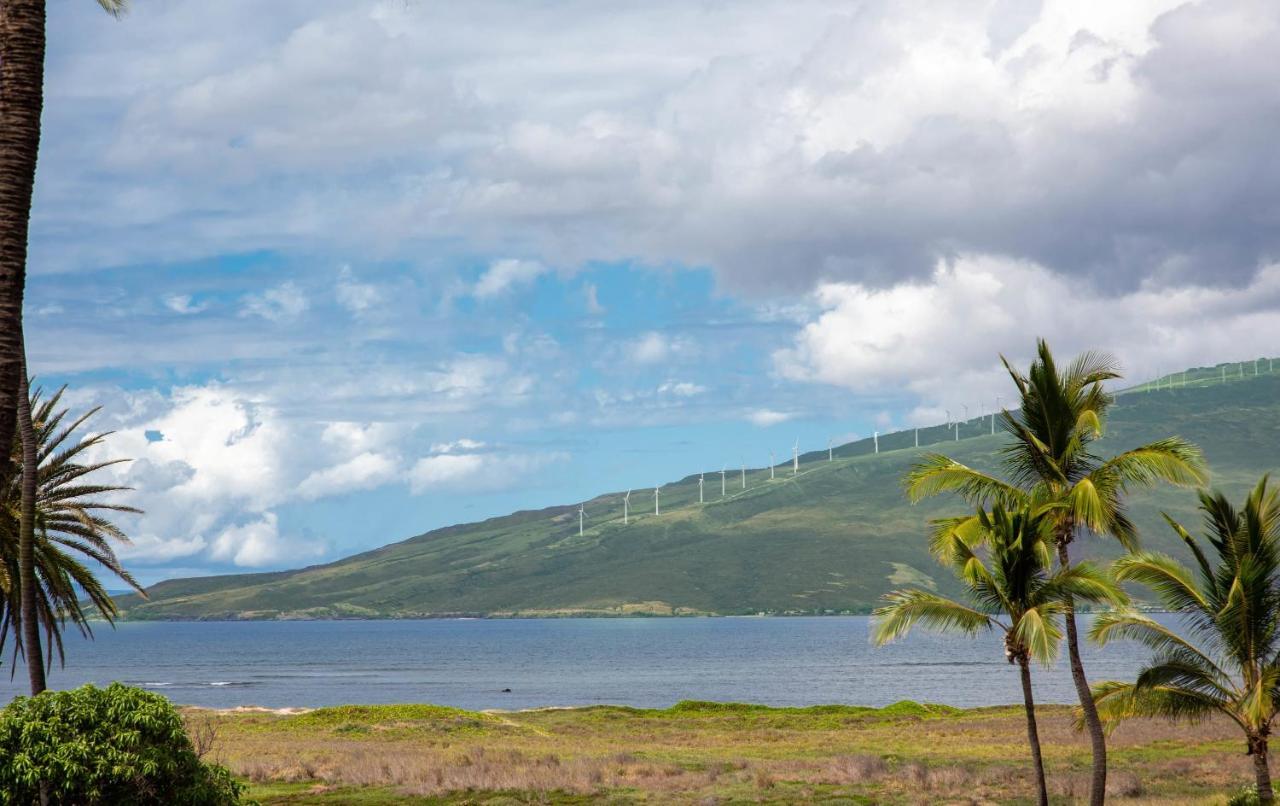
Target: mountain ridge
[[830, 539]]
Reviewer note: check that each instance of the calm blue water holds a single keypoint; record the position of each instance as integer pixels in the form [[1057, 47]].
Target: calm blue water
[[640, 662]]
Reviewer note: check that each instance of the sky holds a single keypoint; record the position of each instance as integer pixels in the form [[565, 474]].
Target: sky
[[339, 272]]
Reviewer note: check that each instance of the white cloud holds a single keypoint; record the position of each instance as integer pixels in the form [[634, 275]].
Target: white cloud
[[507, 274], [941, 338], [362, 472], [592, 297], [184, 304], [284, 303], [650, 348], [768, 417], [457, 446], [477, 472], [259, 543], [358, 298], [681, 389]]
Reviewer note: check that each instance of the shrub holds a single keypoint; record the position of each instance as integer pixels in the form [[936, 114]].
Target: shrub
[[1246, 796], [117, 745]]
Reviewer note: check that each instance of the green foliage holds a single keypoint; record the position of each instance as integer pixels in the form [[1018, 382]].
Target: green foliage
[[1244, 796], [828, 539], [1230, 601], [118, 745], [74, 534]]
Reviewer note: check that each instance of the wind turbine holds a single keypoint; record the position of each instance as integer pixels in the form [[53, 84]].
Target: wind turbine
[[948, 418], [656, 509], [966, 412], [626, 506], [581, 517], [700, 500], [772, 464], [917, 437], [744, 474], [829, 441], [957, 427], [722, 469], [875, 438], [795, 458]]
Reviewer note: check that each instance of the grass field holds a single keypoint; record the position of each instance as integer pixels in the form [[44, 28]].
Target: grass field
[[832, 538], [703, 753]]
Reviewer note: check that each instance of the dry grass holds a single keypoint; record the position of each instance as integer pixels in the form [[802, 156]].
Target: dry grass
[[760, 755]]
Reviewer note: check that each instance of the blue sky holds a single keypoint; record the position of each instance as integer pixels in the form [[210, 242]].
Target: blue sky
[[341, 272]]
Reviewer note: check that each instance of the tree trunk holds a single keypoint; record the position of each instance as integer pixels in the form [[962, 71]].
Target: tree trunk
[[1033, 734], [1261, 771], [27, 544], [1097, 739], [22, 45]]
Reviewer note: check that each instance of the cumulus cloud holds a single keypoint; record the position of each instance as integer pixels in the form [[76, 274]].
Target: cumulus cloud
[[506, 274], [284, 303], [258, 543], [681, 389], [476, 472], [767, 417], [362, 472], [941, 338]]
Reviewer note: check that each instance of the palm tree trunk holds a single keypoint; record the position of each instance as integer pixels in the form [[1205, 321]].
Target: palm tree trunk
[[1261, 771], [27, 544], [22, 45], [1033, 734], [1097, 739]]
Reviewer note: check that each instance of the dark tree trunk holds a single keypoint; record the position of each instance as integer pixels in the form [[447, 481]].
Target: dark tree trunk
[[1097, 739], [27, 582], [27, 544], [1033, 733], [1261, 771], [22, 44]]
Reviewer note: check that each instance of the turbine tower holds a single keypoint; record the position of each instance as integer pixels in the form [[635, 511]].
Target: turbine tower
[[581, 517], [772, 464], [700, 499], [657, 510], [626, 507], [829, 441], [744, 474], [875, 438], [722, 469], [917, 437], [795, 458]]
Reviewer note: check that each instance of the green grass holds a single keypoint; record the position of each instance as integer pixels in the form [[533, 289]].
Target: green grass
[[832, 539]]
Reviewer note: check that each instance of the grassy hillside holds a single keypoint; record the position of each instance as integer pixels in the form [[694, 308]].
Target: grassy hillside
[[832, 538]]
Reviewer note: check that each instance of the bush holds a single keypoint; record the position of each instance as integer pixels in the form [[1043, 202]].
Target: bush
[[1246, 796], [117, 745]]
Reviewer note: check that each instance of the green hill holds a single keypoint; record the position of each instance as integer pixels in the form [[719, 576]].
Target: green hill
[[831, 539]]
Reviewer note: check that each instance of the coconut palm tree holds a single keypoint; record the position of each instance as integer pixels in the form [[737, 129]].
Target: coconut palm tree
[[71, 525], [1060, 415], [1230, 604], [22, 47], [1015, 592]]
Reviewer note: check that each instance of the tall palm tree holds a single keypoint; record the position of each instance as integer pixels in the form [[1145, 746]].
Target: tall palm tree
[[1015, 592], [71, 525], [1230, 604], [22, 47], [1060, 415]]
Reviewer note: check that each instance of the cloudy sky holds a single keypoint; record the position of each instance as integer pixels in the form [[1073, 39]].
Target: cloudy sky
[[341, 271]]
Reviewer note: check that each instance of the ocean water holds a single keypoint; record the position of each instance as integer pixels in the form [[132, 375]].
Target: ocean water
[[644, 662]]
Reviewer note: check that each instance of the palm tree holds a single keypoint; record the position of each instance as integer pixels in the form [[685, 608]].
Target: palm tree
[[1060, 416], [70, 525], [1014, 592], [1230, 604], [22, 46]]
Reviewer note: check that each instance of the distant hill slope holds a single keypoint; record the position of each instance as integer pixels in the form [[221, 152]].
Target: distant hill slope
[[833, 538]]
